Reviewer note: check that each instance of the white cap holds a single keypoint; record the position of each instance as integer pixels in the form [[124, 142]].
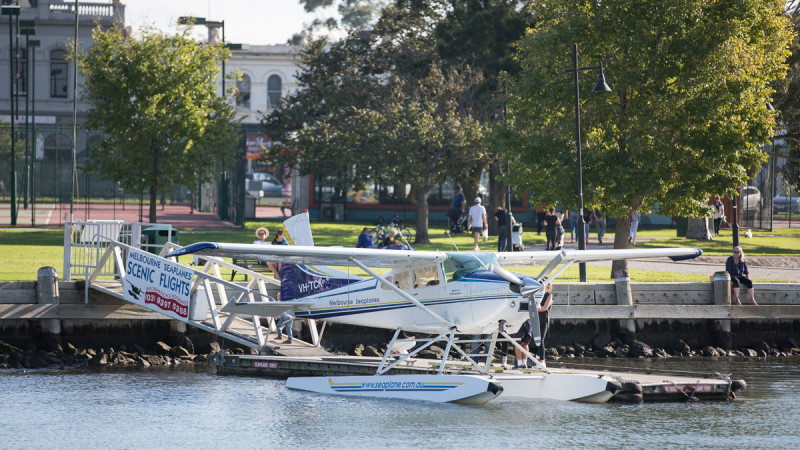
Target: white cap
[[477, 199]]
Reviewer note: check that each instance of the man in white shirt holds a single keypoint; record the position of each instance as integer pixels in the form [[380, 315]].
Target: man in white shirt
[[477, 220]]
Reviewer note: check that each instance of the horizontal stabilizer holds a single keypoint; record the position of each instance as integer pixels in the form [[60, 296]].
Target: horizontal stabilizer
[[263, 309]]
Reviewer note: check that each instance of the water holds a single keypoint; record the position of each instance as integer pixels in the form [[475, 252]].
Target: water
[[193, 408]]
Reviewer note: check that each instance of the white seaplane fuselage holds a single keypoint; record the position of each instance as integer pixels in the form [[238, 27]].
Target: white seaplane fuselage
[[474, 302]]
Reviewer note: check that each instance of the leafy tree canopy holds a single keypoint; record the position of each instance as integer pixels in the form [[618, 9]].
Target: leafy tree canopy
[[787, 101], [376, 106], [687, 116], [155, 98]]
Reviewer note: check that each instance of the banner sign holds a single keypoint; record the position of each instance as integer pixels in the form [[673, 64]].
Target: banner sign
[[255, 144], [157, 284]]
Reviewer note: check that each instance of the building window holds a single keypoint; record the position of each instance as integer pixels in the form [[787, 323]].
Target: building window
[[243, 94], [57, 147], [58, 74], [274, 87]]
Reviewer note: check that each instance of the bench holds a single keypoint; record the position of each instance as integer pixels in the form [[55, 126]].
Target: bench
[[250, 264]]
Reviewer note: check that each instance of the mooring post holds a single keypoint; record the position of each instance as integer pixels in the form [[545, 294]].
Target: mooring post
[[721, 283], [47, 293], [622, 286]]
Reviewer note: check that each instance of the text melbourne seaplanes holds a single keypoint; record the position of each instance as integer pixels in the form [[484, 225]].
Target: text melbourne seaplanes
[[158, 285]]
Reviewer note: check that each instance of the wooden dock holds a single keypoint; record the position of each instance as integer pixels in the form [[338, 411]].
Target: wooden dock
[[635, 387]]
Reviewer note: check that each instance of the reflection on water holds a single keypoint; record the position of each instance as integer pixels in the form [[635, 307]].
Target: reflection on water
[[186, 408]]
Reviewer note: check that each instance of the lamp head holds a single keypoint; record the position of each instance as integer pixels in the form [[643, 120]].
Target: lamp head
[[601, 85]]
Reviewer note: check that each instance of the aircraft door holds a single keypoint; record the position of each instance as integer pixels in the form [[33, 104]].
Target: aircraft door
[[429, 288]]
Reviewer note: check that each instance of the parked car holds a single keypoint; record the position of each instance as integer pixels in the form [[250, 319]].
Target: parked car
[[784, 203], [750, 199], [261, 184]]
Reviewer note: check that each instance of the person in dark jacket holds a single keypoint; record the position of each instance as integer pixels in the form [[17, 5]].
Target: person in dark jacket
[[737, 267]]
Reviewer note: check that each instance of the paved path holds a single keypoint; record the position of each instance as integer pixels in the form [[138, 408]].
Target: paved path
[[763, 267]]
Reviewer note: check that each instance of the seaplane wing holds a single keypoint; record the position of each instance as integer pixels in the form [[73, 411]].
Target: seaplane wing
[[544, 257], [299, 254], [553, 259]]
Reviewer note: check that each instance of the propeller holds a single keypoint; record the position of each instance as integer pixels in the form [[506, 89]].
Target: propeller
[[526, 291]]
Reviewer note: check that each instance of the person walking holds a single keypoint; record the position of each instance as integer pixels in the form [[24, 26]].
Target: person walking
[[500, 216], [551, 225], [719, 214], [457, 207], [599, 224], [573, 225], [477, 220], [634, 227], [541, 211]]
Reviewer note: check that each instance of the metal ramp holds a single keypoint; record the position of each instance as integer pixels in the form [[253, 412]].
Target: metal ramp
[[195, 296]]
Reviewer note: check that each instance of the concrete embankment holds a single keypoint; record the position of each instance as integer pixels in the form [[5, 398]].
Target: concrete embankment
[[588, 319]]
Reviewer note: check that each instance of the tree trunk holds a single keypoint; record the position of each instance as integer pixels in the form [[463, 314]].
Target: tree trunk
[[698, 229], [422, 214], [619, 269], [154, 187], [497, 196]]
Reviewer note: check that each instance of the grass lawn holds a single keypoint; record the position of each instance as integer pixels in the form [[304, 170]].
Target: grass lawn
[[23, 252]]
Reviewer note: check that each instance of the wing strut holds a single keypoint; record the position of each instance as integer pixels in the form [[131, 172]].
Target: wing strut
[[400, 292]]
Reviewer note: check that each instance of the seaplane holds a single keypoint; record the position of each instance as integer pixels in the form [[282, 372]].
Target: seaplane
[[426, 297]]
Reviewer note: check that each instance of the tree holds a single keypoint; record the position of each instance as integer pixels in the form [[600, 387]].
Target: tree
[[688, 115], [375, 106], [787, 101], [155, 99]]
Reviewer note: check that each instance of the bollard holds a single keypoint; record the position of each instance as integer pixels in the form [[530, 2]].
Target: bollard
[[622, 286], [721, 284], [47, 286], [47, 292]]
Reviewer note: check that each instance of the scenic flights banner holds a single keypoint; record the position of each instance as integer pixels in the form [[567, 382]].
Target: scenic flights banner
[[157, 284]]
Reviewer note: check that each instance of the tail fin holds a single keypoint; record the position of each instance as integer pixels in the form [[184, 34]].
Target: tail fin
[[299, 281], [297, 230]]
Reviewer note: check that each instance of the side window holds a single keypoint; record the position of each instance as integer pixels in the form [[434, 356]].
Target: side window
[[243, 94], [400, 279], [426, 276], [58, 74], [274, 91]]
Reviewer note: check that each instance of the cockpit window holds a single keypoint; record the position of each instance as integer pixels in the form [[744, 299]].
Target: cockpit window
[[459, 264]]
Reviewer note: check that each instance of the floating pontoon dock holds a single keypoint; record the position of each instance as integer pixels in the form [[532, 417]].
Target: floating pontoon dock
[[635, 386]]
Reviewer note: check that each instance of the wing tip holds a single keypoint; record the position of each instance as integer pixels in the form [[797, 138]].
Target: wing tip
[[192, 248], [697, 252]]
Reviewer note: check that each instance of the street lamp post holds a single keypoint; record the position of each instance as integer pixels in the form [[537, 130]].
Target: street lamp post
[[34, 44], [11, 11], [601, 86], [28, 28]]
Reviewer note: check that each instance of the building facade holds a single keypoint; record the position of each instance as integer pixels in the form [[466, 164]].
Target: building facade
[[44, 73]]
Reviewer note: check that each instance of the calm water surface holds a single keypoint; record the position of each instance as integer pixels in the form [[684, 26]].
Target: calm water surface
[[189, 408]]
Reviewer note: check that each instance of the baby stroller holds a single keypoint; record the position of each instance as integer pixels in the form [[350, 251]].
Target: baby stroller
[[459, 226], [516, 237]]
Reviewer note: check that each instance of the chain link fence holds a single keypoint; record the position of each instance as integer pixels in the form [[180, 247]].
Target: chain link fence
[[43, 171]]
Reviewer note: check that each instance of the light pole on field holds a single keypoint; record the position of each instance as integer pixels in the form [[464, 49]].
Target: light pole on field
[[601, 86]]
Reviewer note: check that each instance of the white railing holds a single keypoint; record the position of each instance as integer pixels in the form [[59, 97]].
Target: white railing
[[85, 243], [209, 293]]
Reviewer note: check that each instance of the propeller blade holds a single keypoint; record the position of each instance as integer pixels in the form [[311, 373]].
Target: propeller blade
[[504, 274]]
